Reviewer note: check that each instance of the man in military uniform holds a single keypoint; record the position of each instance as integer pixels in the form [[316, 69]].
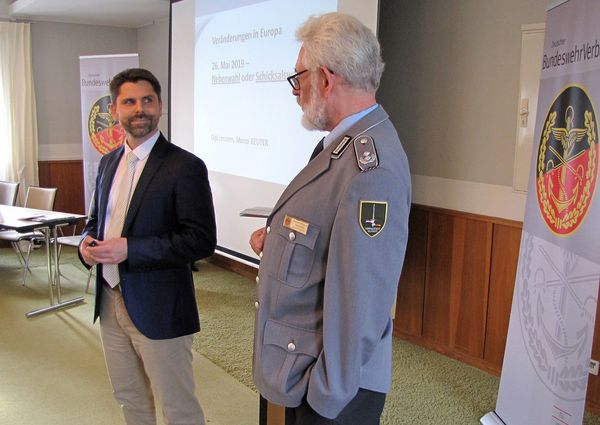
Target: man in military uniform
[[334, 244]]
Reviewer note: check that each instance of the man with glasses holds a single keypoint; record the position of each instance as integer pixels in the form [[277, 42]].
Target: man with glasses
[[333, 247]]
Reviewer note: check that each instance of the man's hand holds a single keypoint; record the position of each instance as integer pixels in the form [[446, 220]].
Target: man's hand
[[257, 240], [112, 251], [84, 250]]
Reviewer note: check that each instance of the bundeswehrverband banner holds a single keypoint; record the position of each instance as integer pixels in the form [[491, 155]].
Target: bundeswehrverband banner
[[546, 361], [100, 133]]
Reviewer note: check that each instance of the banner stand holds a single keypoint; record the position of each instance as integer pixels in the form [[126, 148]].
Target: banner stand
[[491, 419], [546, 361]]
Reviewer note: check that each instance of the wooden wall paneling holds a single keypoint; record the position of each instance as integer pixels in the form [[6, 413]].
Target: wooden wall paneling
[[67, 176], [436, 305], [44, 169], [411, 289], [458, 253], [470, 285], [504, 260], [233, 265]]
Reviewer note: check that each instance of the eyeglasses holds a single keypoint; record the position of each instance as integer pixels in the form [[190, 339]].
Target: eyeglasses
[[293, 79]]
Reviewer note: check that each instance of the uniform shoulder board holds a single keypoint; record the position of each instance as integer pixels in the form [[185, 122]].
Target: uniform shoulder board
[[366, 154], [341, 147]]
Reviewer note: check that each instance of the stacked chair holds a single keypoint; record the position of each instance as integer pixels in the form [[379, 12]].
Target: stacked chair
[[8, 193]]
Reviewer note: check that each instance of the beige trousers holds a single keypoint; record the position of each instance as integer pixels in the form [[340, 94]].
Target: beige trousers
[[141, 369]]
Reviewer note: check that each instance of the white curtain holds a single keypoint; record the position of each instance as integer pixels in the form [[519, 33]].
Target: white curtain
[[18, 123]]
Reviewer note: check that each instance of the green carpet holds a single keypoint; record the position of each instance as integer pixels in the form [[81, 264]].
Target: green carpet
[[427, 388], [226, 304]]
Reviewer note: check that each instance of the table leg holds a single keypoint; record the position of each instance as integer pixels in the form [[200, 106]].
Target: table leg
[[46, 233], [53, 278], [55, 307], [55, 260]]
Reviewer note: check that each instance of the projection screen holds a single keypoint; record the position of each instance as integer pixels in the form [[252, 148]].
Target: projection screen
[[231, 105]]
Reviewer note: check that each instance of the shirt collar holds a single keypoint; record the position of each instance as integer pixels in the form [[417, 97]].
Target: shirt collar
[[345, 124], [143, 150]]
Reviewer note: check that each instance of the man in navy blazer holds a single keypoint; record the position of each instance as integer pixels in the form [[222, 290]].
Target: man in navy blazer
[[153, 217]]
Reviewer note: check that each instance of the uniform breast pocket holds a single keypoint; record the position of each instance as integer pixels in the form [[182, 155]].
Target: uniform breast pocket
[[298, 255]]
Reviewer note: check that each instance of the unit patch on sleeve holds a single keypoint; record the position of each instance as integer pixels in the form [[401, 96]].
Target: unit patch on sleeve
[[372, 217]]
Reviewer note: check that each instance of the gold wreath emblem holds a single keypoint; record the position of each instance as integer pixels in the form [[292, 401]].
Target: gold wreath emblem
[[551, 204], [105, 133]]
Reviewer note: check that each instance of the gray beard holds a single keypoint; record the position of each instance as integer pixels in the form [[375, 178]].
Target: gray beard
[[314, 116]]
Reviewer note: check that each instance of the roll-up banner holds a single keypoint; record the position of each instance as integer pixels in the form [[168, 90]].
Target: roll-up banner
[[547, 357], [100, 133]]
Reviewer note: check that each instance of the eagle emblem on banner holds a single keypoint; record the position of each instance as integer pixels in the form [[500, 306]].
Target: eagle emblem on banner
[[567, 161], [105, 133], [557, 301]]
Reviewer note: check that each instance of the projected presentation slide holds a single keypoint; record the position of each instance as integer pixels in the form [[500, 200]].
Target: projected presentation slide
[[247, 122]]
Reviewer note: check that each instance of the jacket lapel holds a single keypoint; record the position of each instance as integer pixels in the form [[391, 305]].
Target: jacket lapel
[[105, 184], [155, 160], [311, 171], [321, 163]]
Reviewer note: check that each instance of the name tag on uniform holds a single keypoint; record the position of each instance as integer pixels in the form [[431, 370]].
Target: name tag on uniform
[[295, 224]]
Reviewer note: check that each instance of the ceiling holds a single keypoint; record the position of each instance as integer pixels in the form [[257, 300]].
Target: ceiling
[[116, 13]]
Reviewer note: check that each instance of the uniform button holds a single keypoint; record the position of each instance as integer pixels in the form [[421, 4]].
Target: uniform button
[[292, 236], [257, 279], [291, 346], [261, 254], [256, 305], [268, 229]]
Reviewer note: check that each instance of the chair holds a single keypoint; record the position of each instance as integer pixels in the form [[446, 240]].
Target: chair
[[8, 193], [41, 198], [74, 240]]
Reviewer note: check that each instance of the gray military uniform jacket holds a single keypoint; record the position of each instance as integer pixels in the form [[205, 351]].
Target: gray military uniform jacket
[[329, 272]]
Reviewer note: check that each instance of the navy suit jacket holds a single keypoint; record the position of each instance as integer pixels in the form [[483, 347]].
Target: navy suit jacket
[[170, 224]]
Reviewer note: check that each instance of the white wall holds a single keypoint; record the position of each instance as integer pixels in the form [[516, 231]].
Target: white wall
[[4, 9], [451, 86], [56, 48]]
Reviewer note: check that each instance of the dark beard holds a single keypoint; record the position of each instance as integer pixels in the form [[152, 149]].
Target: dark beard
[[139, 130]]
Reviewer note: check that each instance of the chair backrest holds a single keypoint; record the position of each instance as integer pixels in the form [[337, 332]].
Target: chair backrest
[[41, 198], [8, 193]]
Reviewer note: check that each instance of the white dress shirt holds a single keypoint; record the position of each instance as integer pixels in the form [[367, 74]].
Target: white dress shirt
[[142, 152]]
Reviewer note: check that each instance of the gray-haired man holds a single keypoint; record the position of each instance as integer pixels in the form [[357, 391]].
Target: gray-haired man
[[333, 247]]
